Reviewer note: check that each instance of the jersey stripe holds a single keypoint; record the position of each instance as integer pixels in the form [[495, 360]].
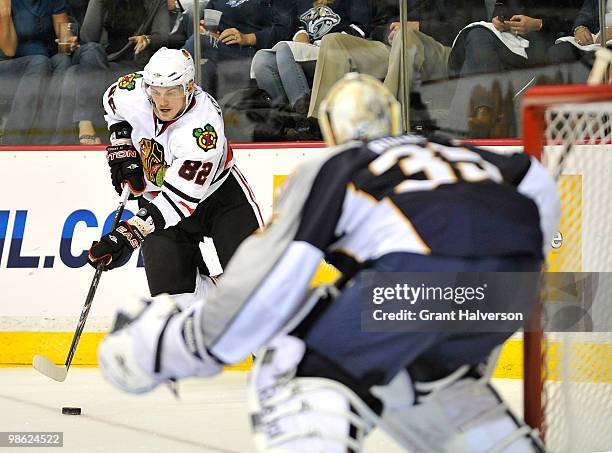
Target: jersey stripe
[[223, 173], [174, 206], [184, 196], [244, 185], [229, 157], [186, 206]]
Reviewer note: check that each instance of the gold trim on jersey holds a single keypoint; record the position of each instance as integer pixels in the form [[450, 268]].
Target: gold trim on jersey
[[347, 252], [406, 220], [351, 186], [425, 248]]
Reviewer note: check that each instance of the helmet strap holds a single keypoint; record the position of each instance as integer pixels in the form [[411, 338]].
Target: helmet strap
[[188, 98]]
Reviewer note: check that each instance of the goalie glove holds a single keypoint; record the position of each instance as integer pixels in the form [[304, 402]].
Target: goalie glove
[[152, 342]]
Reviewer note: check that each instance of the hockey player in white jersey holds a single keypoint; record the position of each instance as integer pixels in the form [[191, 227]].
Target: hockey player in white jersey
[[384, 203], [169, 146]]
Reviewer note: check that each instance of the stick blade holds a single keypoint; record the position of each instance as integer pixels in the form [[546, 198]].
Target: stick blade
[[45, 366]]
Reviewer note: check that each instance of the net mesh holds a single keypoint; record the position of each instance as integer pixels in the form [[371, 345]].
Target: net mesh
[[577, 320]]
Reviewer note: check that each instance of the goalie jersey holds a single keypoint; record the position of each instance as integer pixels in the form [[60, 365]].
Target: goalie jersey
[[362, 202], [184, 160]]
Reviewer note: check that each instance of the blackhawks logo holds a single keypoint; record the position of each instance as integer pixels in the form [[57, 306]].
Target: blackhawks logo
[[206, 138], [153, 162], [128, 82]]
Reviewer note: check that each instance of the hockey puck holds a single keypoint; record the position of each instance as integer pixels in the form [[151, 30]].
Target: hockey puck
[[71, 410]]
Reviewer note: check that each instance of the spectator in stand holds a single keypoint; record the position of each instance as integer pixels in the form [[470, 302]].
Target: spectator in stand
[[28, 58], [77, 9], [118, 37], [284, 70], [342, 53], [482, 51], [431, 30], [585, 33], [517, 38], [180, 21], [245, 27]]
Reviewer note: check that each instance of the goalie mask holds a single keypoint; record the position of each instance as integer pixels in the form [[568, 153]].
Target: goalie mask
[[358, 107], [169, 68]]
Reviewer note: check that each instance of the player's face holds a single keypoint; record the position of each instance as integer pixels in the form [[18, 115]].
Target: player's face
[[168, 101]]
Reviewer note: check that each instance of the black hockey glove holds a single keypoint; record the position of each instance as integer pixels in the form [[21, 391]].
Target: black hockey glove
[[126, 168], [115, 248]]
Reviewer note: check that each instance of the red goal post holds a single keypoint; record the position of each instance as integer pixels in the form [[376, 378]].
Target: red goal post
[[555, 118], [540, 98]]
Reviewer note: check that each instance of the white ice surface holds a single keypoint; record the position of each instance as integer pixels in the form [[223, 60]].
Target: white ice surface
[[211, 415]]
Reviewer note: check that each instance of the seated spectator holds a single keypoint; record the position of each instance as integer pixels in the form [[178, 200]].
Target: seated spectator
[[584, 34], [77, 9], [117, 39], [188, 7], [517, 37], [484, 48], [515, 40], [245, 27], [180, 23], [28, 58], [61, 64], [284, 70], [430, 32]]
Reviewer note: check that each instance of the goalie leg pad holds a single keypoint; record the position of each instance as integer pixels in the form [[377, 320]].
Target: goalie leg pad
[[458, 414], [302, 414]]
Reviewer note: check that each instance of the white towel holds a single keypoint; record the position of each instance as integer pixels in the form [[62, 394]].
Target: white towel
[[588, 48], [514, 43]]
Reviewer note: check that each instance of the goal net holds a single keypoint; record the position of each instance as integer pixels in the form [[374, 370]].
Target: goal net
[[568, 348]]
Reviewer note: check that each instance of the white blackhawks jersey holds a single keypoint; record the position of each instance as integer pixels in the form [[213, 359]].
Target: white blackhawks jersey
[[184, 160]]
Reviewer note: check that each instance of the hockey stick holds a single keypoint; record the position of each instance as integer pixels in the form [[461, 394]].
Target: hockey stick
[[43, 364]]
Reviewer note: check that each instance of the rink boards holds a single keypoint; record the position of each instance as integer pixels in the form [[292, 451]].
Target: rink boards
[[56, 203]]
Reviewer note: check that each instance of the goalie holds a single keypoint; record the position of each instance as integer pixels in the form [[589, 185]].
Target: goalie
[[377, 202], [183, 173]]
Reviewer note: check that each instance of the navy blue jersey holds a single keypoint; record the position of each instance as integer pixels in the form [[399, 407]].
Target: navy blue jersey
[[34, 26], [362, 203], [335, 16], [437, 199]]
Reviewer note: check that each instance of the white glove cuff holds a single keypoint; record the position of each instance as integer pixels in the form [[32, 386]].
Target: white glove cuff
[[114, 141], [145, 226]]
